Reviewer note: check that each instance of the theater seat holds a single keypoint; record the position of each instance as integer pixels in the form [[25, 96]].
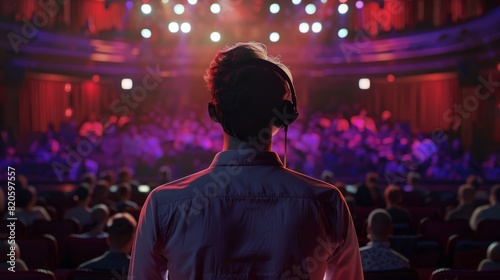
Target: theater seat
[[488, 229], [400, 274], [39, 252], [92, 275], [442, 230], [79, 250], [455, 274], [59, 229], [467, 252], [21, 229], [37, 274]]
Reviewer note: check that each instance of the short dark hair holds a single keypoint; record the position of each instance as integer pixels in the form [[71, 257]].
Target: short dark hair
[[245, 94], [24, 197], [121, 228]]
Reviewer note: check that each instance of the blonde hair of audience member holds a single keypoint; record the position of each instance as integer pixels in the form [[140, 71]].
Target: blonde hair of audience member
[[492, 261]]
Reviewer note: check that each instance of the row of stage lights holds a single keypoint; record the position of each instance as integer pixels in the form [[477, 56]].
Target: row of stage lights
[[274, 8]]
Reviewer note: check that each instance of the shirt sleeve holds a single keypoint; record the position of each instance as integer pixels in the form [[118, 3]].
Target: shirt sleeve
[[346, 261], [146, 262]]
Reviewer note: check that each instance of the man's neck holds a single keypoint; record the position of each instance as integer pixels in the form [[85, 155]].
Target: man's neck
[[233, 143]]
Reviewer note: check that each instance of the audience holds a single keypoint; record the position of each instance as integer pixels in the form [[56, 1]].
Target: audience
[[393, 199], [101, 195], [378, 255], [465, 207], [26, 209], [81, 212], [5, 260], [121, 230], [487, 212], [492, 261]]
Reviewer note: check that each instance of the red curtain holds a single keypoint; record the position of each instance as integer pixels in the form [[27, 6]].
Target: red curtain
[[421, 102], [102, 18], [40, 103], [86, 100]]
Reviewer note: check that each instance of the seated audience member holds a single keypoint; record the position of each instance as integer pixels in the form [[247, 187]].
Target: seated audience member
[[5, 260], [368, 194], [125, 176], [26, 210], [487, 212], [124, 193], [101, 195], [98, 218], [81, 212], [88, 178], [108, 176], [476, 182], [492, 261], [466, 194], [393, 198], [413, 186], [121, 229], [378, 255]]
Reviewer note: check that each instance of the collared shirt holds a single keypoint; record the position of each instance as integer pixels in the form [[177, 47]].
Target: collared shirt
[[246, 217], [379, 256], [109, 261]]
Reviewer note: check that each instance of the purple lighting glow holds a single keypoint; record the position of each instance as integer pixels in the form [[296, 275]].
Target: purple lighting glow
[[359, 4]]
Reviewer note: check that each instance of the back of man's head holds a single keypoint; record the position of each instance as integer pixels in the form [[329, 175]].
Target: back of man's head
[[379, 225], [124, 191], [393, 195], [493, 252], [495, 194], [246, 94], [99, 214], [121, 229], [466, 194]]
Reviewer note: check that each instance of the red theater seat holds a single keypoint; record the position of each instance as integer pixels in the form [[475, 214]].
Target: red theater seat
[[21, 228], [442, 230], [79, 250], [418, 213], [38, 274], [39, 252], [489, 229], [59, 229], [467, 252], [92, 275], [452, 274]]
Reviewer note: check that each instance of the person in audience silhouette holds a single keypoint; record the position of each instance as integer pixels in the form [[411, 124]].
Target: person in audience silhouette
[[124, 194], [378, 255], [487, 212], [492, 261], [101, 195], [26, 208], [393, 199], [121, 230], [98, 219], [81, 212], [368, 194], [465, 207]]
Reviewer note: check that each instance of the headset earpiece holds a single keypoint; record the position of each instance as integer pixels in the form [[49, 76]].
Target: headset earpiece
[[287, 115], [212, 112]]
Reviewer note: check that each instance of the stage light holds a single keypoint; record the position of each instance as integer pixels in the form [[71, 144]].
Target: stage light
[[359, 4], [343, 8], [498, 67], [274, 8], [179, 9], [296, 2], [304, 27], [96, 78], [192, 2], [173, 27], [364, 83], [316, 27], [129, 4], [342, 33], [146, 9], [68, 112], [215, 8], [324, 1], [146, 33], [342, 1], [310, 9], [164, 1], [274, 37], [127, 83], [67, 87], [215, 36], [185, 27], [390, 78]]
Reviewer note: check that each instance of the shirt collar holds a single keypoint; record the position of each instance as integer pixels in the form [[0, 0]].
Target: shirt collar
[[379, 244], [246, 157]]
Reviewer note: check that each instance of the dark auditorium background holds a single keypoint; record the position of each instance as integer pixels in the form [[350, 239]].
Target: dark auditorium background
[[96, 95]]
